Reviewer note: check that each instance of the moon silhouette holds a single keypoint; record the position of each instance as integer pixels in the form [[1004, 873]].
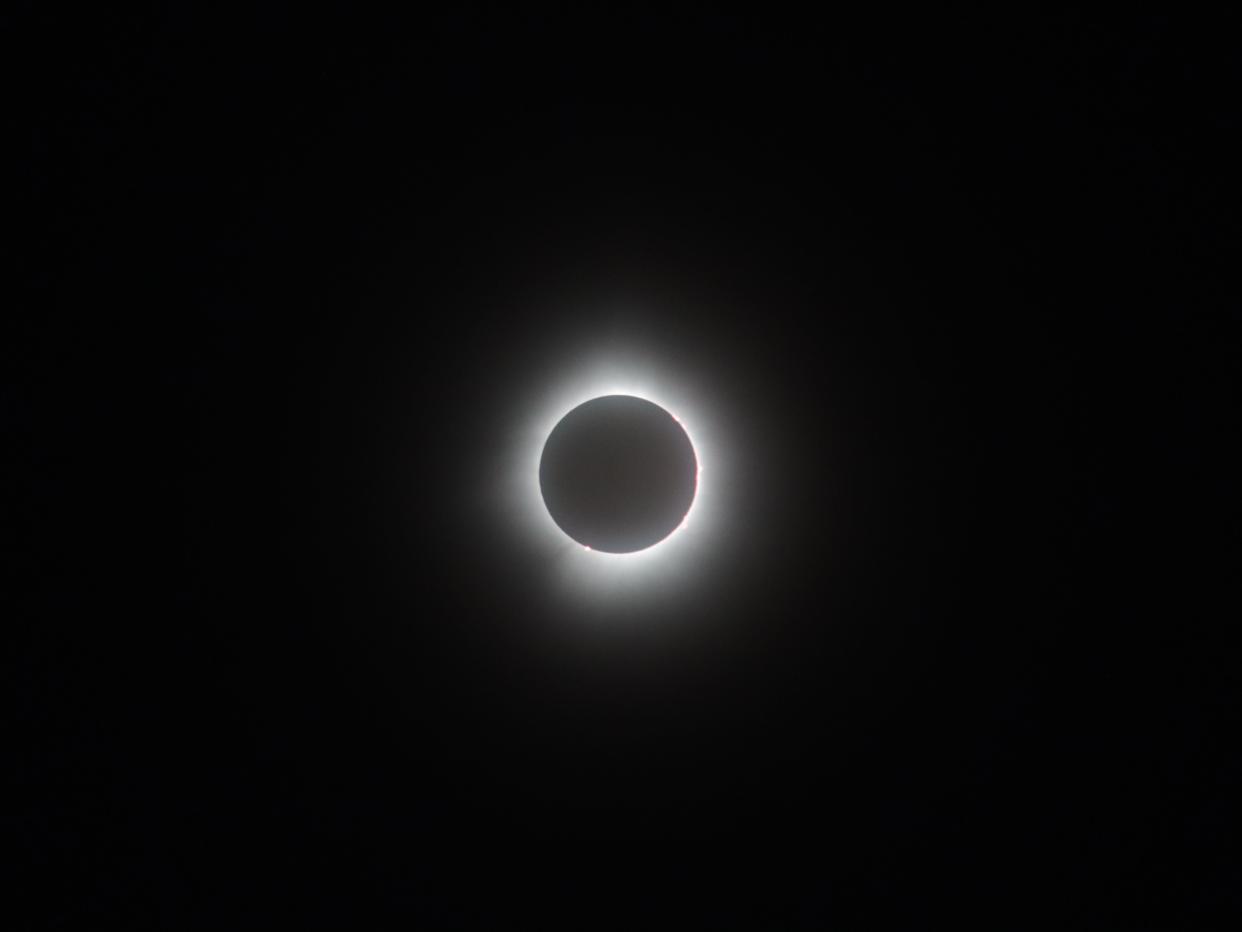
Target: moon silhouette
[[618, 474]]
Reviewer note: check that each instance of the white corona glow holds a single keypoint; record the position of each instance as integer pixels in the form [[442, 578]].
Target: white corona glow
[[684, 552]]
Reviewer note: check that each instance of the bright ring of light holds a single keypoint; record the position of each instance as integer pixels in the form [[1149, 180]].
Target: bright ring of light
[[671, 561]]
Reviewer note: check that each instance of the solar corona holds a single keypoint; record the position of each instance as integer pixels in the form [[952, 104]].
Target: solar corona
[[615, 475]]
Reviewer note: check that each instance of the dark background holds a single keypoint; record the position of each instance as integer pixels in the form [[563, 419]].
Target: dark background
[[963, 287]]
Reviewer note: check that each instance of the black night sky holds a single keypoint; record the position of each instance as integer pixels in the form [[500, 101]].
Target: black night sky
[[958, 291]]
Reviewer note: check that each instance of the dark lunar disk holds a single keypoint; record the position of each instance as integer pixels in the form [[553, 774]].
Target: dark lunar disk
[[618, 474]]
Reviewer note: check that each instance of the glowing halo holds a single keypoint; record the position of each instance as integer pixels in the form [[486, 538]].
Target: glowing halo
[[670, 562]]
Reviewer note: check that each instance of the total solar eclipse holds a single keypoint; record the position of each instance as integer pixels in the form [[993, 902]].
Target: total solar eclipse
[[618, 474]]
